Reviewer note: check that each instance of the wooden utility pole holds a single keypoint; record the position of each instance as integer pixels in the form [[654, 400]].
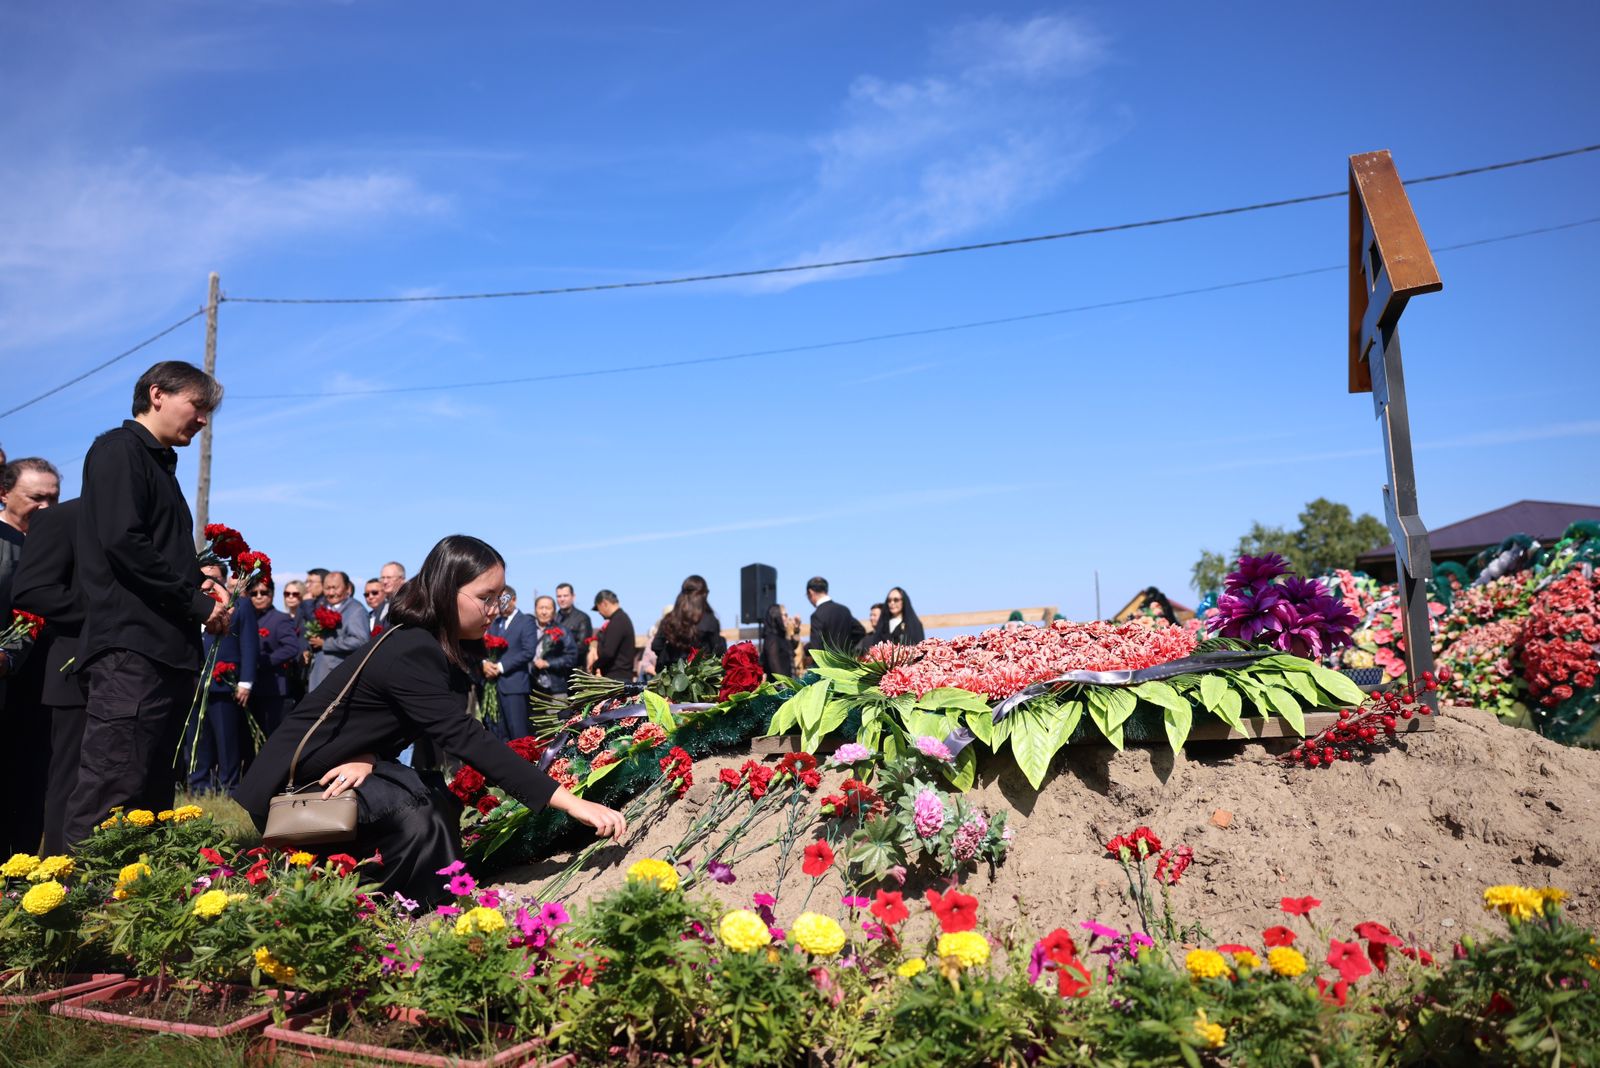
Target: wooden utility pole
[[202, 493], [1390, 263]]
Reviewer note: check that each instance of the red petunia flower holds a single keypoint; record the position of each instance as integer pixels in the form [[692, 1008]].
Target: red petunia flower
[[1339, 990], [1059, 946], [956, 911], [1277, 936], [1072, 979], [343, 862], [211, 856], [889, 907], [1298, 906], [819, 858], [1421, 956], [1378, 938], [1347, 959]]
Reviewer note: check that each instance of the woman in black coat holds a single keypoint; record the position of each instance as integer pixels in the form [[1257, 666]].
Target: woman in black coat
[[899, 622], [414, 684], [690, 625], [777, 647]]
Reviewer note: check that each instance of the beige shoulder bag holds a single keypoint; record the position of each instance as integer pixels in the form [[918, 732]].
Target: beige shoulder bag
[[296, 818]]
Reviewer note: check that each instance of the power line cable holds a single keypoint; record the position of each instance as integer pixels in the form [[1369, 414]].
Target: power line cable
[[888, 257], [102, 366], [897, 335]]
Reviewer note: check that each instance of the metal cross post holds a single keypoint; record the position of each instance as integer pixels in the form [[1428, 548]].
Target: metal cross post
[[1389, 264]]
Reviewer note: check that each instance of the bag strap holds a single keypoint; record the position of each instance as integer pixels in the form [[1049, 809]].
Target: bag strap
[[294, 762]]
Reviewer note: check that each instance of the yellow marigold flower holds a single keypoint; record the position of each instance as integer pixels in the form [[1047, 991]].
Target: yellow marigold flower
[[1516, 902], [133, 873], [19, 865], [481, 920], [967, 948], [651, 870], [164, 816], [273, 968], [1213, 1035], [1286, 961], [300, 858], [911, 968], [184, 813], [109, 822], [817, 934], [141, 817], [44, 897], [1551, 895], [210, 904], [1206, 964], [1245, 958], [743, 931], [56, 867]]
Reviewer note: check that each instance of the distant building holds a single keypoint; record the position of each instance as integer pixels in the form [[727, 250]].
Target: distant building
[[1152, 597], [1545, 521]]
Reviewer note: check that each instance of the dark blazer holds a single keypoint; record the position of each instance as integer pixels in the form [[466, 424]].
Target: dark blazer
[[561, 655], [834, 629], [45, 584], [240, 645], [407, 691], [615, 648], [777, 653], [135, 553], [278, 652], [707, 638], [909, 632], [516, 663]]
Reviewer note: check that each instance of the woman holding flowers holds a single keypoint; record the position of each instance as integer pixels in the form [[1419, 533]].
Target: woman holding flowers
[[414, 685]]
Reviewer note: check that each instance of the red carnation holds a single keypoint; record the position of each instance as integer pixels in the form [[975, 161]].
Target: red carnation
[[811, 779], [495, 644], [488, 803], [1347, 959], [264, 632], [730, 778], [252, 561], [257, 874], [1144, 842], [554, 634], [222, 670], [741, 671], [956, 911], [529, 748], [467, 784], [1298, 906], [819, 858], [327, 619], [21, 620], [1277, 936], [889, 907]]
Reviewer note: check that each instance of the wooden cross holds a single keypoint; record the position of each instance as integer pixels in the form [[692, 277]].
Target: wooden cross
[[1389, 264]]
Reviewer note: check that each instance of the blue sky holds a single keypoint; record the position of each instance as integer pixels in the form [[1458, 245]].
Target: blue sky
[[355, 149]]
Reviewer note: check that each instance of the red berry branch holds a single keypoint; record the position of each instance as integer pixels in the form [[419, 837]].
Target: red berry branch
[[1362, 731]]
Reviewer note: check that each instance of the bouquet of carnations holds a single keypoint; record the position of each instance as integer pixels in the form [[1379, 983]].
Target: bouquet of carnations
[[494, 647], [23, 625], [323, 621]]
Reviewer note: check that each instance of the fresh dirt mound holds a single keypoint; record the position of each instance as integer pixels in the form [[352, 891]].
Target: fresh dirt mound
[[1409, 839]]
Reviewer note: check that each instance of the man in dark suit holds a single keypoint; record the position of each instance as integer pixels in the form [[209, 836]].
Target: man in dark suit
[[556, 654], [353, 633], [145, 599], [574, 621], [611, 654], [833, 628], [277, 658], [512, 675], [44, 584], [215, 737]]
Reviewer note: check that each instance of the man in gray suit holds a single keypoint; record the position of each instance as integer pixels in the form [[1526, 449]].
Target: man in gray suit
[[353, 632]]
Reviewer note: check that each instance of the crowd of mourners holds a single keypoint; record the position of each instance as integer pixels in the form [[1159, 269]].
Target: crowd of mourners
[[105, 707]]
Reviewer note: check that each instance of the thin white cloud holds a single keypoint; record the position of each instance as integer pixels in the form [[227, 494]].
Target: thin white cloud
[[900, 372], [999, 122]]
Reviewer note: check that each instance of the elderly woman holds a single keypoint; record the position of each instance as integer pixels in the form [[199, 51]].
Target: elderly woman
[[414, 684]]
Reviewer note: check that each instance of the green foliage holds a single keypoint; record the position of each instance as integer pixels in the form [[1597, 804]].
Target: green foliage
[[1275, 1022], [51, 943], [1529, 998], [157, 928], [121, 840], [649, 988], [319, 924], [762, 1011], [891, 840], [970, 1020], [685, 682], [463, 982], [1146, 1018], [1329, 536]]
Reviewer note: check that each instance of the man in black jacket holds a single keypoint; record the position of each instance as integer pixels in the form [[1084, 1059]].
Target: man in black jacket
[[46, 585], [145, 601], [833, 628], [614, 647]]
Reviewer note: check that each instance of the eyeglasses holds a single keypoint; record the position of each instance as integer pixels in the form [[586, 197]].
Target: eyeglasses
[[287, 594], [262, 593], [494, 603]]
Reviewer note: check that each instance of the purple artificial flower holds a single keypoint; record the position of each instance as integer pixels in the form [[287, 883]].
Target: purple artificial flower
[[721, 872], [1303, 636], [933, 749], [451, 868], [1249, 617], [1302, 592], [1338, 622], [1255, 572]]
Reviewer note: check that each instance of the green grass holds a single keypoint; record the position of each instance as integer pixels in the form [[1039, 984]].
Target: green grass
[[233, 820], [34, 1039]]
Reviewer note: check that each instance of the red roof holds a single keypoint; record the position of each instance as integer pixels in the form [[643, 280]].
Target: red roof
[[1544, 520]]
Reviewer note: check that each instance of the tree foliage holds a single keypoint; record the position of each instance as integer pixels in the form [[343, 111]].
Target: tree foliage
[[1329, 536]]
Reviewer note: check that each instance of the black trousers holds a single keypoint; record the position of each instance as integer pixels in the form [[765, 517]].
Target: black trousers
[[24, 765], [513, 722], [133, 723], [66, 747]]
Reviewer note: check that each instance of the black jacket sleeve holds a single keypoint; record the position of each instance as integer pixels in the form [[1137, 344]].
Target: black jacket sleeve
[[43, 580], [415, 684]]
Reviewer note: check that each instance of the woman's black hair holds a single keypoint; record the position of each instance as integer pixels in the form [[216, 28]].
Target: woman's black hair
[[679, 625], [776, 624], [428, 601], [911, 630]]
